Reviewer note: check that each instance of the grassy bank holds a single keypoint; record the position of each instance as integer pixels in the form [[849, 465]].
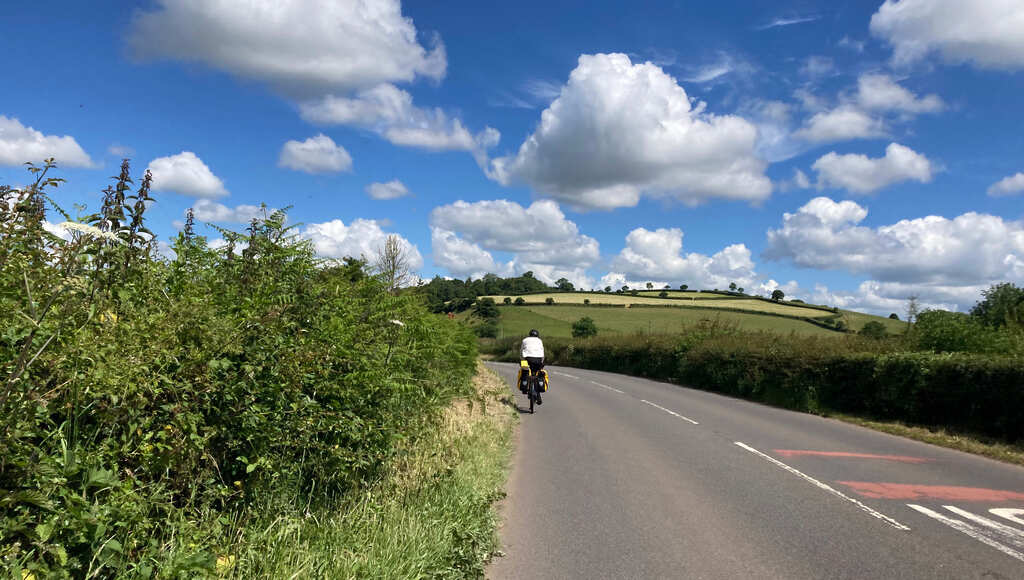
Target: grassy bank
[[429, 516]]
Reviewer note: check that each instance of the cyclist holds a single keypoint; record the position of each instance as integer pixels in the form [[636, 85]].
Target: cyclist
[[533, 351]]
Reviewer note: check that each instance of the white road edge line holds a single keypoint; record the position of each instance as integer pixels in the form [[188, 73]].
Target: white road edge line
[[825, 487], [669, 411], [969, 530], [565, 375], [607, 387]]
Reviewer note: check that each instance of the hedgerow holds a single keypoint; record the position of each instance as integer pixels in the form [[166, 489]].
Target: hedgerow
[[148, 403]]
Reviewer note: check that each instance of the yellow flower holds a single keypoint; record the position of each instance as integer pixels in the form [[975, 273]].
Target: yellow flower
[[225, 563], [26, 575]]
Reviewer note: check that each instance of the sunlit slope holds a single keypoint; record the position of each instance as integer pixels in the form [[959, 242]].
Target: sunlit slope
[[671, 314]]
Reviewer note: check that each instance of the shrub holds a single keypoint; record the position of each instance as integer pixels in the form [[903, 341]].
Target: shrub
[[507, 300], [584, 328], [586, 301], [663, 294], [944, 331], [520, 301], [874, 329], [549, 300], [488, 329]]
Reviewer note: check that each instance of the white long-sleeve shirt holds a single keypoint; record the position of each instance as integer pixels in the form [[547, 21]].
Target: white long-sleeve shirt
[[532, 346]]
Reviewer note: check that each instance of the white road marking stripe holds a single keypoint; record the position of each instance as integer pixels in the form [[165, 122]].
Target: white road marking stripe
[[1010, 534], [670, 412], [825, 487], [606, 387], [1015, 515], [968, 529], [565, 375]]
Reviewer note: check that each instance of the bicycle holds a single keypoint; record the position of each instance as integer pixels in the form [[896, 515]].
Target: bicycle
[[532, 380]]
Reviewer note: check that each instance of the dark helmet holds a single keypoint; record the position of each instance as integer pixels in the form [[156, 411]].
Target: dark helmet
[[534, 332]]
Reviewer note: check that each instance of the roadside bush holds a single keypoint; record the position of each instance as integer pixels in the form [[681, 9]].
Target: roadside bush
[[148, 403], [584, 328], [944, 331]]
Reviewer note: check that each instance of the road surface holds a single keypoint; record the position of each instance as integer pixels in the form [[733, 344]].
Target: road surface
[[620, 477]]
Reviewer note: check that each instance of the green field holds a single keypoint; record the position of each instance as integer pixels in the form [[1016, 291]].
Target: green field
[[557, 320], [673, 315]]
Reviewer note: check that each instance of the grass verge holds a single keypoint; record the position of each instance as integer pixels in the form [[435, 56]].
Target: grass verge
[[430, 516], [977, 445]]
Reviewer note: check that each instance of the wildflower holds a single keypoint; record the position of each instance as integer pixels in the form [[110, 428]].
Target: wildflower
[[90, 231], [225, 563], [397, 323]]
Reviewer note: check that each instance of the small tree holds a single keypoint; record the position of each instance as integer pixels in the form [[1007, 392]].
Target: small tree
[[740, 290], [486, 309], [625, 288], [549, 300], [586, 301], [564, 285], [520, 301], [732, 286], [607, 288], [584, 328], [683, 287], [778, 295], [894, 316], [488, 329], [663, 294], [650, 285], [667, 286], [392, 264], [912, 309], [874, 329], [507, 300]]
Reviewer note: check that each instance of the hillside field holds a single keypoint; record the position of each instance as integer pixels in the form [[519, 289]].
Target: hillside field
[[672, 316]]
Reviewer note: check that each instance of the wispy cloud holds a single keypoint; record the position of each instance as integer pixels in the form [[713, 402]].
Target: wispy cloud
[[725, 64], [782, 21], [543, 90]]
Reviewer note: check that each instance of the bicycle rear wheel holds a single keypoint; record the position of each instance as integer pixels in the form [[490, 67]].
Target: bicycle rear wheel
[[532, 394]]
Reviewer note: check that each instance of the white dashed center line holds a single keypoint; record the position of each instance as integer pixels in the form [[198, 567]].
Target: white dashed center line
[[565, 375], [825, 487], [606, 387], [670, 412]]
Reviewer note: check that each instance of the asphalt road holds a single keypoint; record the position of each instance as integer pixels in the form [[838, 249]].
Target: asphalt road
[[619, 477]]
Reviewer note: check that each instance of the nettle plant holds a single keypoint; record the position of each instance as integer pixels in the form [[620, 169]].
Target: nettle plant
[[149, 405]]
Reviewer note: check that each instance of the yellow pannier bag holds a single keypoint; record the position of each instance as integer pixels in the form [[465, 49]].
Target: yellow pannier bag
[[524, 376]]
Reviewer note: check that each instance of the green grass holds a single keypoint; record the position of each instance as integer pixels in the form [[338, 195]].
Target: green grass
[[557, 320], [431, 516]]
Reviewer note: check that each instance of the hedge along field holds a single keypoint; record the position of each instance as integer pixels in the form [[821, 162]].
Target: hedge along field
[[152, 407], [869, 378]]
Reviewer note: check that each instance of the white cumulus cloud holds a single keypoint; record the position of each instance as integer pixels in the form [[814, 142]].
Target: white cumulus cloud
[[185, 173], [986, 33], [210, 211], [20, 144], [390, 190], [842, 123], [861, 174], [657, 256], [389, 111], [620, 130], [1007, 186], [880, 92], [538, 234], [299, 46], [968, 251], [319, 154], [362, 238]]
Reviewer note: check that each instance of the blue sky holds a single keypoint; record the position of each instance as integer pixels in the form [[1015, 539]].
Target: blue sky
[[849, 153]]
